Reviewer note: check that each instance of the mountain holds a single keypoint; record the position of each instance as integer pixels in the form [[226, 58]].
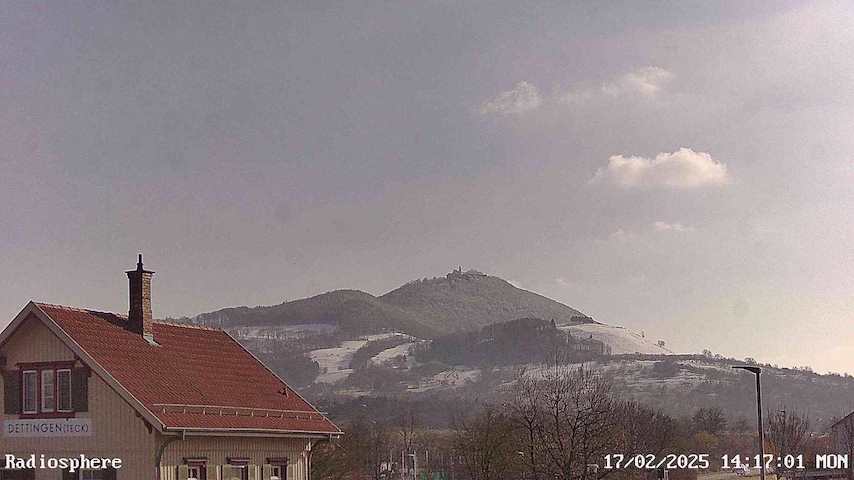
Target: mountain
[[441, 342], [463, 301], [350, 311], [459, 301]]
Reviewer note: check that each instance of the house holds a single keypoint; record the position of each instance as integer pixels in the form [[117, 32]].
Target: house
[[842, 435], [588, 345], [171, 401]]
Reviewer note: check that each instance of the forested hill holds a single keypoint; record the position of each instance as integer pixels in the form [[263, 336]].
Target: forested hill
[[458, 301], [471, 300]]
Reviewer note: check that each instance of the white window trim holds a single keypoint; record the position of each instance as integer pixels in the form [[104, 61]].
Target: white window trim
[[52, 391], [35, 376], [58, 393], [198, 472]]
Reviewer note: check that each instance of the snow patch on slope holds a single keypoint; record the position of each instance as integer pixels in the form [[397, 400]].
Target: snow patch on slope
[[621, 340], [391, 353], [335, 362]]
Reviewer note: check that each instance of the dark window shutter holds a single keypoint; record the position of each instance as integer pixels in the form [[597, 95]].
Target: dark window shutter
[[110, 474], [80, 389], [11, 392], [66, 475]]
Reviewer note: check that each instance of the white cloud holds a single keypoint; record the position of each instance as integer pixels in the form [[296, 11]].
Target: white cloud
[[671, 227], [682, 169], [621, 235], [646, 82], [522, 98]]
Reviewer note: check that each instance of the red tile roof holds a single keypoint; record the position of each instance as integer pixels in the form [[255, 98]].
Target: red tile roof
[[192, 377]]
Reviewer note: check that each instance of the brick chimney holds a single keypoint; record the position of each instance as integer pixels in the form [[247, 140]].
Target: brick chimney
[[139, 313]]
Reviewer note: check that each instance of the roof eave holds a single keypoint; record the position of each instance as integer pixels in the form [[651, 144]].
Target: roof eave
[[258, 432]]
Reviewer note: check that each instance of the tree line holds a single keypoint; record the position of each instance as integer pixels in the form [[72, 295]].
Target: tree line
[[558, 422]]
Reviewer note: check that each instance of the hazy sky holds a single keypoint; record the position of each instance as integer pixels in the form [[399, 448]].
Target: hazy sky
[[682, 168]]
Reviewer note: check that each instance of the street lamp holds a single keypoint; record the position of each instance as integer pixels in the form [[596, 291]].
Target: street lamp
[[756, 371], [414, 465]]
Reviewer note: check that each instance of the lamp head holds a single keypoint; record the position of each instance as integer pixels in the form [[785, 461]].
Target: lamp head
[[749, 368]]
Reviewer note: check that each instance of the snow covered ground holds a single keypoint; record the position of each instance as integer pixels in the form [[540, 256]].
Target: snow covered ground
[[621, 340], [335, 362], [391, 353]]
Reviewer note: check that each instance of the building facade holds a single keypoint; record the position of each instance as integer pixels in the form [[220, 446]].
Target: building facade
[[172, 402]]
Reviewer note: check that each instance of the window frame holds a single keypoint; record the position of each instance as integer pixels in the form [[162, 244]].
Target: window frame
[[40, 369], [36, 376], [59, 392], [46, 394], [194, 468], [280, 463], [198, 463], [276, 472], [240, 463]]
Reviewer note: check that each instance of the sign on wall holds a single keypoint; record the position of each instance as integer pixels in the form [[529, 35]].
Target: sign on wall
[[59, 427]]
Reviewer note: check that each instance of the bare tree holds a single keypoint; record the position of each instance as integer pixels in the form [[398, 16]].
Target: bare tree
[[568, 418], [407, 426], [376, 450], [486, 446], [526, 413], [575, 422], [642, 430], [711, 420], [360, 453], [787, 431]]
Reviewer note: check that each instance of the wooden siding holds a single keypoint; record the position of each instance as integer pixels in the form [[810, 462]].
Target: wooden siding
[[218, 449]]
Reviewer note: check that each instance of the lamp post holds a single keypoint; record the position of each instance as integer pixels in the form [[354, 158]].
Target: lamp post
[[757, 371]]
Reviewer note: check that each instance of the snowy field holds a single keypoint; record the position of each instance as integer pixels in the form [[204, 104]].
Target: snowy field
[[335, 362], [394, 352], [621, 340]]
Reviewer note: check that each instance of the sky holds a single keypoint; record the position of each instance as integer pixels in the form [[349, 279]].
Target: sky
[[682, 168]]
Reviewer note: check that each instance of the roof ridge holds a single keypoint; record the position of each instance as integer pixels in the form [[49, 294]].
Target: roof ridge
[[187, 325], [78, 309], [124, 316]]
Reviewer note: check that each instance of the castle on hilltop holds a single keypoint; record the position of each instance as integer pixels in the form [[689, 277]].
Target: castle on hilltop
[[467, 275]]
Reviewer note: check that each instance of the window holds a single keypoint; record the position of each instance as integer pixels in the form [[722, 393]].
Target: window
[[194, 473], [30, 391], [196, 468], [237, 472], [63, 390], [238, 469], [48, 391], [278, 468]]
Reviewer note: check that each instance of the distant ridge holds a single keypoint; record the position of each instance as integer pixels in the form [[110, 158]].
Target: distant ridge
[[426, 308]]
